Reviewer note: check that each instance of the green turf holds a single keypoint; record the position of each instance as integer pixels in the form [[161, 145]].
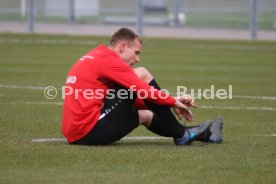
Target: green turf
[[247, 155]]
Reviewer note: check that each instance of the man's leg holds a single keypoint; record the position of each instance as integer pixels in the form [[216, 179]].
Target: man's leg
[[158, 126], [165, 123], [153, 123], [117, 119], [163, 112]]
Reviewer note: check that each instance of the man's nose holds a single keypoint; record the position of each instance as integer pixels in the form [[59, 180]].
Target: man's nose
[[137, 59]]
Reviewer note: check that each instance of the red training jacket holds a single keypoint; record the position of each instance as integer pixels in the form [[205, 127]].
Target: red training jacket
[[86, 89]]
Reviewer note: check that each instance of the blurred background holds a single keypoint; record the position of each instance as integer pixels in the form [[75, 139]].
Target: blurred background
[[240, 19]]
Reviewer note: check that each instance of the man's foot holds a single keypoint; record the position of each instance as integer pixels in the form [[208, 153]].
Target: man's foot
[[214, 133], [193, 133], [215, 129]]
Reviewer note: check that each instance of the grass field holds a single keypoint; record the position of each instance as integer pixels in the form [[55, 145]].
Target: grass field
[[247, 155]]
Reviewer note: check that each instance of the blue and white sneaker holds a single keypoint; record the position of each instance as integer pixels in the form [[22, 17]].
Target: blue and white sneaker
[[193, 133]]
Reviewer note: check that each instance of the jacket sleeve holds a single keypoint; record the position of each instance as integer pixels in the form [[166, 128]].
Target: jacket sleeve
[[140, 104], [119, 72]]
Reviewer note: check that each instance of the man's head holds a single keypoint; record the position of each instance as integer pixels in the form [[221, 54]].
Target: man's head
[[127, 45]]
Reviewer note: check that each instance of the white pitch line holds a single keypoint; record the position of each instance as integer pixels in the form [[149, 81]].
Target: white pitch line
[[46, 42], [39, 103], [49, 140], [22, 87], [38, 140], [237, 108], [125, 138], [87, 42], [238, 96], [233, 47], [202, 106], [255, 97], [144, 138], [43, 87], [265, 135]]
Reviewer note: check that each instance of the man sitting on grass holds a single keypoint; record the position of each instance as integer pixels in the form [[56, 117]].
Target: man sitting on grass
[[106, 99]]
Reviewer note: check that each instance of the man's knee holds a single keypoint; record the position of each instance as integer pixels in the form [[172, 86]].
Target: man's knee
[[143, 73], [145, 117]]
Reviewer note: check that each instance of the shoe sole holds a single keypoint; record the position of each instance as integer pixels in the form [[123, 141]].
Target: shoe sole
[[216, 130]]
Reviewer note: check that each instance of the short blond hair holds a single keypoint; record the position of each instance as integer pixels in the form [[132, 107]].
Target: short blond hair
[[124, 34]]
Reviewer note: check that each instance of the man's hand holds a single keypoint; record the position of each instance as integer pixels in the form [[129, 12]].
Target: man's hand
[[182, 111], [187, 100]]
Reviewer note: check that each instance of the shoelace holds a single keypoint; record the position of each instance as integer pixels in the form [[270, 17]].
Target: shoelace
[[185, 123], [189, 134], [187, 130]]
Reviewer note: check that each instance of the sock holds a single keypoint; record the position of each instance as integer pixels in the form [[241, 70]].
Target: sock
[[157, 127], [166, 116]]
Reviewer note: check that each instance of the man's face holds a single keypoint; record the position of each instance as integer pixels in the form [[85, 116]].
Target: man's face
[[130, 52]]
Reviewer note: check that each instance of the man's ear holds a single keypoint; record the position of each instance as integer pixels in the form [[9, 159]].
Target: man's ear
[[122, 47]]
